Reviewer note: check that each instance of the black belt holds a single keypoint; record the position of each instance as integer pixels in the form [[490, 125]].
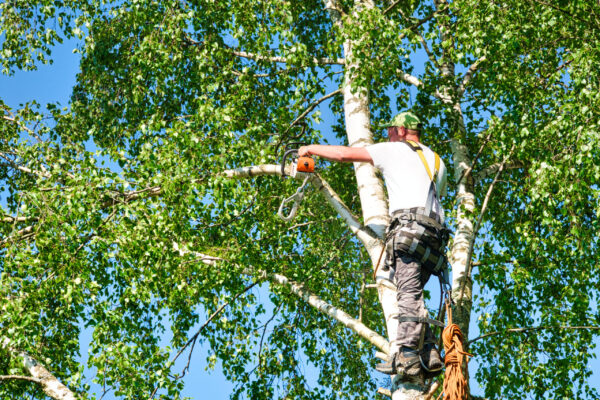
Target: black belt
[[417, 214]]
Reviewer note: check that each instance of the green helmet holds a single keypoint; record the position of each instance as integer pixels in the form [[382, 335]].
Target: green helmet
[[405, 119]]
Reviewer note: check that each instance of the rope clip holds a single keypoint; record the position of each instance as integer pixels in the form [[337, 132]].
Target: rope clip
[[296, 198]]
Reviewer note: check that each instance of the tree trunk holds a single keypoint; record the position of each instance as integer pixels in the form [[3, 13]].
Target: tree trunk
[[375, 212]]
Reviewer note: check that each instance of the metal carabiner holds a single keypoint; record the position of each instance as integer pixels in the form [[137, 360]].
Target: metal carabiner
[[296, 198]]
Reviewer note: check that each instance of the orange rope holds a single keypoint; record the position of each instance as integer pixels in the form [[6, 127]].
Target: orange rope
[[455, 385]]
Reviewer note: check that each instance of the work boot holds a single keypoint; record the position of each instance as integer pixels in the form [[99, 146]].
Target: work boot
[[406, 362], [432, 362]]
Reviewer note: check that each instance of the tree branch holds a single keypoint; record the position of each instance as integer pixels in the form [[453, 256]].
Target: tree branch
[[22, 233], [492, 169], [312, 299], [392, 6], [262, 336], [334, 7], [194, 338], [432, 390], [10, 220], [50, 385], [413, 80], [532, 328], [314, 104], [361, 329], [15, 121], [261, 57], [478, 224], [467, 171], [124, 198], [279, 59], [20, 378], [426, 48], [447, 66], [24, 169], [254, 170], [364, 234], [408, 78], [469, 75]]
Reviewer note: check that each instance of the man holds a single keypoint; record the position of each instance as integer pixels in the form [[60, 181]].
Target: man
[[412, 183]]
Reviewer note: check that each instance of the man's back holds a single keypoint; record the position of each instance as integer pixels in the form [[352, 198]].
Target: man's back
[[405, 175]]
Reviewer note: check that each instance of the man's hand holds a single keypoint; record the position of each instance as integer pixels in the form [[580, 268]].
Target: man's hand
[[304, 151]]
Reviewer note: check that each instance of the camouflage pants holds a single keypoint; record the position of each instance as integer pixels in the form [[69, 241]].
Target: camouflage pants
[[410, 279]]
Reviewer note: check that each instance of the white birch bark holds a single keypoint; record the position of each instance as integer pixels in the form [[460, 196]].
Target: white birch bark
[[465, 199], [49, 384]]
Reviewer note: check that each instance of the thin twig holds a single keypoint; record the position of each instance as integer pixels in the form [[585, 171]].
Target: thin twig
[[469, 75], [98, 229], [426, 48], [391, 7], [310, 223], [468, 170], [283, 60], [20, 378], [313, 105], [262, 336], [235, 218], [478, 224], [193, 339], [532, 328]]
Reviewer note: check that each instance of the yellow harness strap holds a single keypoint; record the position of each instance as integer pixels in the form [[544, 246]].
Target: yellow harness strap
[[419, 151]]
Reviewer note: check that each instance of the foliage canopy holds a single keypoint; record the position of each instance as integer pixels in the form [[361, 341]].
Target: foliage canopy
[[112, 205]]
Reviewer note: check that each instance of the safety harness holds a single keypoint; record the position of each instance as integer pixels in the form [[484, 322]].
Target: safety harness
[[421, 233]]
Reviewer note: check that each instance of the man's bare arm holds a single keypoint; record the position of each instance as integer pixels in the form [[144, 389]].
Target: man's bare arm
[[336, 153]]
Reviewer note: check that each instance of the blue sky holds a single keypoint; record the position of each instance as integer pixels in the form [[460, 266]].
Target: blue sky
[[52, 83]]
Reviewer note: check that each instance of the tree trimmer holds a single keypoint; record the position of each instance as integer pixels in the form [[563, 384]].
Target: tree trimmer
[[299, 164]]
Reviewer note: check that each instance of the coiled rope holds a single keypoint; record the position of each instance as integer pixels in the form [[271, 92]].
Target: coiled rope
[[455, 384]]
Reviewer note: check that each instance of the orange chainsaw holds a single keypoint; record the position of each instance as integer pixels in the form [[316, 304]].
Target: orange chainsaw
[[299, 164]]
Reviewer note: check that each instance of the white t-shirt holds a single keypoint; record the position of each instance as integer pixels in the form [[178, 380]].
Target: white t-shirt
[[405, 175]]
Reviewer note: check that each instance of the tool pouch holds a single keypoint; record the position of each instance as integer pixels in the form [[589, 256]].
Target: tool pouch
[[421, 237]]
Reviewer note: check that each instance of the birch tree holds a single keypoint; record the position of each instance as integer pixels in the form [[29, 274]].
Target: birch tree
[[147, 208]]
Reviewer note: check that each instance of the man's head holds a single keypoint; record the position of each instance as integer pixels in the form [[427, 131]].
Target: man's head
[[403, 126]]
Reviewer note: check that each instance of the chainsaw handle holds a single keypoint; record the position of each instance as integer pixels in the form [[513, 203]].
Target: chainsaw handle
[[285, 156]]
